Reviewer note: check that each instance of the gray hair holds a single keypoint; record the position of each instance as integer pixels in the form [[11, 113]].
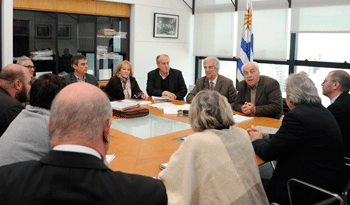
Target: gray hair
[[84, 117], [157, 59], [210, 110], [343, 78], [21, 60], [255, 63], [210, 58], [301, 89]]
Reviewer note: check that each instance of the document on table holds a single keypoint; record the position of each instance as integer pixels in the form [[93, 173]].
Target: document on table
[[161, 106], [170, 110], [240, 118], [124, 105], [141, 102], [109, 158], [268, 130], [160, 99]]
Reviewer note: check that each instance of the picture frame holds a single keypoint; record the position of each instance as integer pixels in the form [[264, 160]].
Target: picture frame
[[43, 31], [166, 26], [64, 32]]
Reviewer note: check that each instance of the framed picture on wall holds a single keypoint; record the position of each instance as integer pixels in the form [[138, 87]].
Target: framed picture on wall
[[63, 32], [166, 26], [43, 31]]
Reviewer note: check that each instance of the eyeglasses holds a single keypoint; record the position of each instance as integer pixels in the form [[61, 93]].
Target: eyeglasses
[[29, 66]]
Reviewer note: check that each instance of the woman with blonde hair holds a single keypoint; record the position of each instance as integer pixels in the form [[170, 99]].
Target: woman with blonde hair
[[216, 165], [122, 85]]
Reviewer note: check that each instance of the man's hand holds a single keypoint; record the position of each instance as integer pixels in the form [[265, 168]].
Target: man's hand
[[281, 119], [167, 94], [144, 96], [248, 108], [254, 133]]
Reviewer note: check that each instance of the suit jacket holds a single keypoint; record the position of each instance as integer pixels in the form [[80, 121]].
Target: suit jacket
[[75, 178], [9, 109], [114, 88], [176, 80], [308, 147], [223, 85], [89, 78], [341, 112], [268, 100]]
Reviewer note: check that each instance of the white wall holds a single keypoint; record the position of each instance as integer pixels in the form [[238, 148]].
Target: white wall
[[6, 32], [144, 48]]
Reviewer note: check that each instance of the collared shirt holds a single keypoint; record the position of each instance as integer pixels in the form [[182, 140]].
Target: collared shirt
[[79, 80], [333, 100], [165, 76], [214, 81], [77, 148], [253, 93]]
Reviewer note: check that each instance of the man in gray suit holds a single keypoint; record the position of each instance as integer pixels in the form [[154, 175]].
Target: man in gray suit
[[80, 74], [213, 81]]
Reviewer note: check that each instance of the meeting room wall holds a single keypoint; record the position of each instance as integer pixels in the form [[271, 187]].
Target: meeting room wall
[[144, 48]]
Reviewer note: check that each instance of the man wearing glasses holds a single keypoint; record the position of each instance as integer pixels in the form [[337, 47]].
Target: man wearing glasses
[[28, 63]]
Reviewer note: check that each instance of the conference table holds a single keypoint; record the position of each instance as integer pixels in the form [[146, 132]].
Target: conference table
[[140, 145]]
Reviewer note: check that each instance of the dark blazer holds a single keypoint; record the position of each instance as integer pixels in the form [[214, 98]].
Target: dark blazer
[[9, 109], [75, 178], [223, 85], [176, 80], [114, 88], [89, 78], [268, 100], [308, 147], [341, 112]]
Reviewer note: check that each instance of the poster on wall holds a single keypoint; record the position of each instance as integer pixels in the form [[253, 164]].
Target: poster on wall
[[63, 32], [165, 26], [43, 31]]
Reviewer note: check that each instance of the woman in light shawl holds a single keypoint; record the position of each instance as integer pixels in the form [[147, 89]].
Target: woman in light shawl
[[216, 165], [122, 85]]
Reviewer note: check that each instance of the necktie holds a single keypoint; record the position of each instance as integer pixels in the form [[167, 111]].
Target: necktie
[[211, 85]]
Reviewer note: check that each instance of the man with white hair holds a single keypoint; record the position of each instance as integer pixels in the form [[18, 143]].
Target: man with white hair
[[76, 170], [213, 81], [308, 146], [258, 95], [14, 88]]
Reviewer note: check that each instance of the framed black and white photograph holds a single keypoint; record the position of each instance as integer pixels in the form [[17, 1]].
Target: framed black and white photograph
[[63, 32], [166, 26], [43, 31]]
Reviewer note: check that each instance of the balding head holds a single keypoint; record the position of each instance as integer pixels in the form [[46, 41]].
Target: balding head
[[15, 80], [79, 113]]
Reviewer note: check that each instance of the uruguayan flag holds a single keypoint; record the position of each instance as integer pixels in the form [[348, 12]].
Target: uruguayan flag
[[246, 52]]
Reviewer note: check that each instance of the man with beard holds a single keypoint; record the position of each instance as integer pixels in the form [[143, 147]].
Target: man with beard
[[14, 88]]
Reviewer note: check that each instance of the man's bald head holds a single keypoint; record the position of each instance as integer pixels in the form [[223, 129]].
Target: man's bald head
[[15, 80], [80, 110]]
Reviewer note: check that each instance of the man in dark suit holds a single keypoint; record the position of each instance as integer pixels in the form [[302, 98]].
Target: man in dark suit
[[336, 87], [213, 81], [14, 88], [165, 81], [308, 147], [80, 74], [76, 170], [258, 95]]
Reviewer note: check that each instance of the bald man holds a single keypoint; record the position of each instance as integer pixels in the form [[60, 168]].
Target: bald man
[[76, 169], [14, 88]]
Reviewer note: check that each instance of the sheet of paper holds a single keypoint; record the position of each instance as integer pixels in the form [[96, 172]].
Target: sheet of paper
[[240, 118], [109, 158], [141, 102], [268, 130], [170, 110], [184, 107], [161, 106]]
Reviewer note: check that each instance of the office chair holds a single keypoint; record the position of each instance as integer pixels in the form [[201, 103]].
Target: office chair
[[334, 197]]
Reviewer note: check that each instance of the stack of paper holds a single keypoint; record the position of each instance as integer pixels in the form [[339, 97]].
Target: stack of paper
[[160, 99], [124, 105], [141, 102]]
